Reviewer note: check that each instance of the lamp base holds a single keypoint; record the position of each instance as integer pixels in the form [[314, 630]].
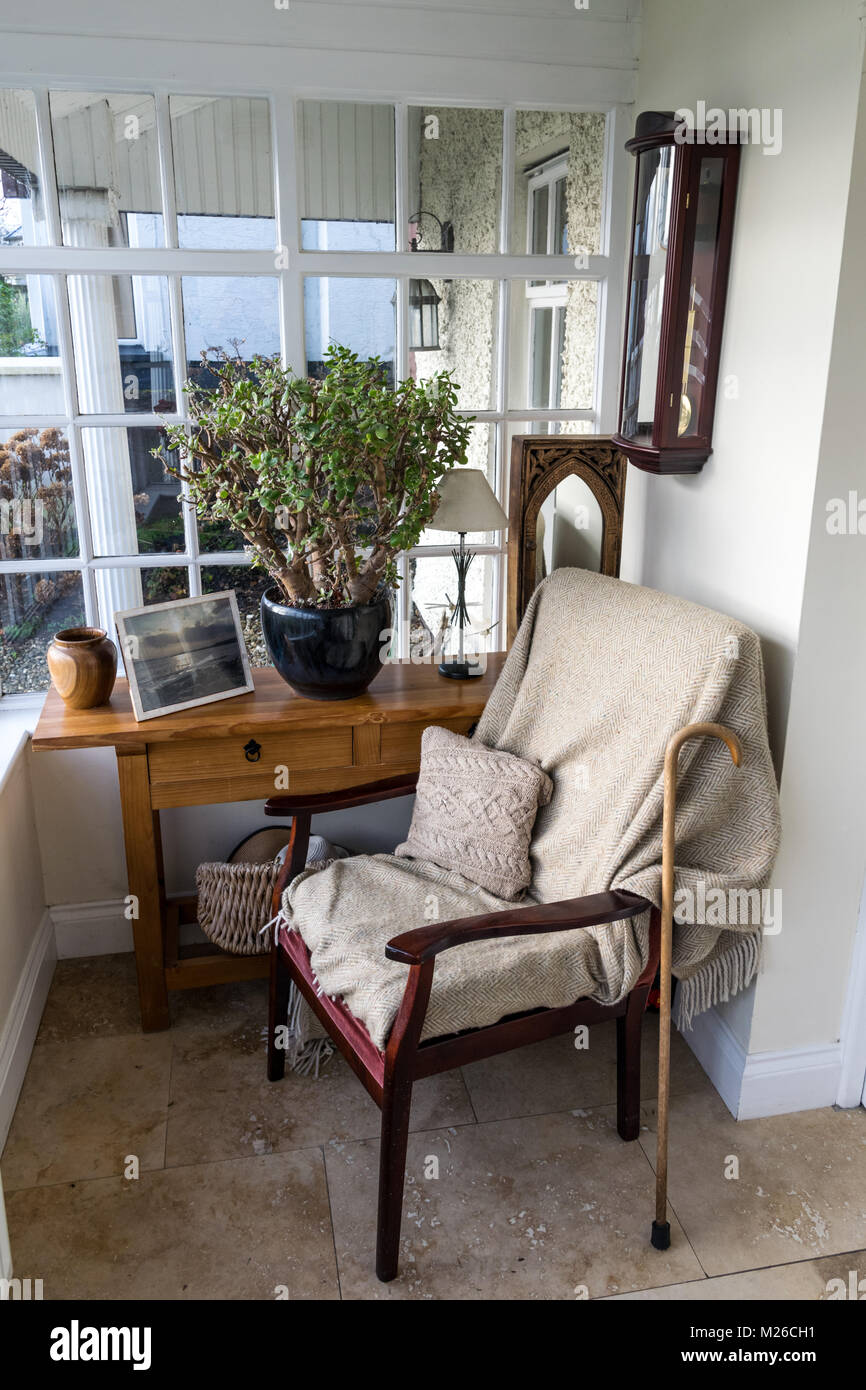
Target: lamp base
[[460, 670]]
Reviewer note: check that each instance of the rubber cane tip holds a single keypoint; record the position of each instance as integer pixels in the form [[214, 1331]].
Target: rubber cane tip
[[661, 1236]]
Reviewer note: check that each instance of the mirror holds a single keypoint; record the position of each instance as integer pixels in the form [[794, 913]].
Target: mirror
[[565, 509], [569, 528]]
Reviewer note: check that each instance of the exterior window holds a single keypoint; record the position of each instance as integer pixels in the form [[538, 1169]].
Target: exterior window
[[163, 222]]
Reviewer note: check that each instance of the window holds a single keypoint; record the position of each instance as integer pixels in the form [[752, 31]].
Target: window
[[168, 236]]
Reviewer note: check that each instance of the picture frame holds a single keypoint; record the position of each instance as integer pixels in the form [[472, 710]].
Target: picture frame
[[184, 653]]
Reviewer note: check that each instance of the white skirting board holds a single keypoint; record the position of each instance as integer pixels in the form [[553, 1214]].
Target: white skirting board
[[5, 1248], [22, 1024], [764, 1083], [101, 929]]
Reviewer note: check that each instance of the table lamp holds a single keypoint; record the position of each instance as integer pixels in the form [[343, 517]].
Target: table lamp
[[466, 503]]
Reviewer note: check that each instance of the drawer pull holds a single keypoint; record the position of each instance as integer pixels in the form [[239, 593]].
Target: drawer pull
[[252, 751]]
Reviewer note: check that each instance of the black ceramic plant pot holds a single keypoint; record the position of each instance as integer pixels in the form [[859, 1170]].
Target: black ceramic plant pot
[[326, 653]]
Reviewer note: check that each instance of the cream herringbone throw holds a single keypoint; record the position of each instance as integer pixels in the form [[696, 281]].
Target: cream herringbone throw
[[600, 676]]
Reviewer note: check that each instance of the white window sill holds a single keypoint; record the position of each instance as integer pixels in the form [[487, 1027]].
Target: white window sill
[[18, 718]]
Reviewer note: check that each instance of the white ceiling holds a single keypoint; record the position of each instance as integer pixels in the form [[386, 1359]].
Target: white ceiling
[[604, 34]]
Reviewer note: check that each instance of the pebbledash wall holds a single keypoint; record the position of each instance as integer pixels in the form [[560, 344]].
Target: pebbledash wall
[[458, 178]]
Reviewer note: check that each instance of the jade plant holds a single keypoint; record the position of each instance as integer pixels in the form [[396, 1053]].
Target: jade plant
[[326, 480]]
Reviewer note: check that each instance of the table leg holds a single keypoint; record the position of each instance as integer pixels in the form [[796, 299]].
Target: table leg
[[143, 863]]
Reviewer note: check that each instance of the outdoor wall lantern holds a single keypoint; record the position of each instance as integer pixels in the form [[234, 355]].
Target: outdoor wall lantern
[[423, 316], [446, 233], [682, 228]]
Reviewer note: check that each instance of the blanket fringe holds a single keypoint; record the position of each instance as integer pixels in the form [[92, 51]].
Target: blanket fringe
[[718, 979], [304, 1055]]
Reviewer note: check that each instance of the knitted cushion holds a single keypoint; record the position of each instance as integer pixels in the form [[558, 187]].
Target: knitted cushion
[[474, 812]]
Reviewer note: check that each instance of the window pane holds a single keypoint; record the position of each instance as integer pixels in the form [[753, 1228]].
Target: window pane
[[542, 350], [37, 507], [434, 593], [467, 316], [249, 585], [122, 339], [107, 162], [162, 585], [134, 500], [223, 170], [358, 314], [481, 453], [238, 313], [538, 229], [215, 536], [455, 177], [347, 176], [33, 607], [31, 379], [22, 212], [133, 586], [554, 329], [543, 139]]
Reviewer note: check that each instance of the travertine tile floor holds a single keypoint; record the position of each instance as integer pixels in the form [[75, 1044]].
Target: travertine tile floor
[[254, 1191]]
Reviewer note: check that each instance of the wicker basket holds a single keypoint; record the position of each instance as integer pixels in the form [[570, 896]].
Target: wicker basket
[[235, 899], [234, 903]]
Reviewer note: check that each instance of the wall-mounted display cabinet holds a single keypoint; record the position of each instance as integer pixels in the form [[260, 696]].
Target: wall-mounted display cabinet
[[682, 227]]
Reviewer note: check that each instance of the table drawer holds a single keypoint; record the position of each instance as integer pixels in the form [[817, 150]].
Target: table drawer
[[401, 743], [242, 768]]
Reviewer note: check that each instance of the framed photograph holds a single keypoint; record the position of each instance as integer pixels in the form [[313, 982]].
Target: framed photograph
[[190, 652]]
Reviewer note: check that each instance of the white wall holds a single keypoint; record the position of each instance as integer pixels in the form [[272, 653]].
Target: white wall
[[735, 536], [27, 952], [21, 892], [822, 864]]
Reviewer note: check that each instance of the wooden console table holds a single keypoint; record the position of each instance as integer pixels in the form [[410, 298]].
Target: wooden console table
[[231, 751]]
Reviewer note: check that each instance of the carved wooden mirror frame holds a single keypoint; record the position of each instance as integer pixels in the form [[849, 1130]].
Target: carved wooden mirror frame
[[538, 464]]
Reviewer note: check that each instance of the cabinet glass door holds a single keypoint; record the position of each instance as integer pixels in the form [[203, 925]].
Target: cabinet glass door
[[646, 291], [698, 324]]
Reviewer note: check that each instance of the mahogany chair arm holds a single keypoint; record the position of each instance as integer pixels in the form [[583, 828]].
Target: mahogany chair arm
[[423, 943], [313, 802]]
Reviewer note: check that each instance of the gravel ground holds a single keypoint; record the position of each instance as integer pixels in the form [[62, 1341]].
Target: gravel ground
[[252, 629], [23, 668]]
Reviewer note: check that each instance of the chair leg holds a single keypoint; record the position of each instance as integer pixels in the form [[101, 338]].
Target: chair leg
[[396, 1103], [628, 1035], [278, 1012]]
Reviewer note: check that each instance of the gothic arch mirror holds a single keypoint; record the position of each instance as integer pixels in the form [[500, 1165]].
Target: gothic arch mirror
[[565, 509]]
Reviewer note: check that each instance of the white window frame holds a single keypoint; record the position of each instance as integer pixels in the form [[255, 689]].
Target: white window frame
[[288, 269]]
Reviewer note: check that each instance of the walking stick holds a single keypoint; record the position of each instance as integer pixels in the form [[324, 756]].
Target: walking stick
[[661, 1231]]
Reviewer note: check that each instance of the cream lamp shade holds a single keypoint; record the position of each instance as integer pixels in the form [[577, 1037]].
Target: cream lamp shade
[[467, 503]]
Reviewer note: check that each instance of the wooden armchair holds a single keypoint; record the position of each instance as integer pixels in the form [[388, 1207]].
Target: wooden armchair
[[390, 1075]]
